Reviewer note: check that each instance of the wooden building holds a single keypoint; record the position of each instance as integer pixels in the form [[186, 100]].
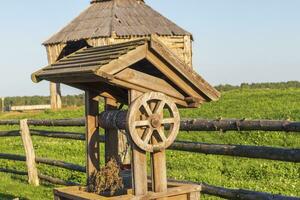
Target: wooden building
[[107, 22]]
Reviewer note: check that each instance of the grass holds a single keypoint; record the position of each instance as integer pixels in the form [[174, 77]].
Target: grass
[[232, 172]]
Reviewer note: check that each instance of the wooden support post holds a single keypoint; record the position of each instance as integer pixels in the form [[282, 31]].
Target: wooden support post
[[33, 178], [158, 166], [2, 104], [139, 161], [194, 196], [111, 135], [55, 94], [92, 134]]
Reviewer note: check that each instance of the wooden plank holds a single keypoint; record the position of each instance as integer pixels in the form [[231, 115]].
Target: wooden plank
[[172, 192], [149, 82], [79, 193], [92, 133], [55, 91], [127, 85], [126, 60], [164, 68], [159, 171], [188, 48], [194, 196], [158, 166], [33, 178], [104, 90], [196, 80], [139, 161]]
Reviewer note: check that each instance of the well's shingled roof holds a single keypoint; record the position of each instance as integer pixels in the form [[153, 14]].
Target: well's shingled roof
[[103, 18], [89, 62]]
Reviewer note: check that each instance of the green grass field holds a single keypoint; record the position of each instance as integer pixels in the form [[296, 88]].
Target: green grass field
[[253, 174]]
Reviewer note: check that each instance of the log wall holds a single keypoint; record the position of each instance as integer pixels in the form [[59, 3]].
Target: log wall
[[179, 45]]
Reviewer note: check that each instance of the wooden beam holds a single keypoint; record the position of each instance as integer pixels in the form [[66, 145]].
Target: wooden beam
[[33, 178], [196, 80], [126, 60], [92, 134], [2, 104], [104, 90], [158, 166], [165, 69], [139, 161], [129, 86], [149, 82]]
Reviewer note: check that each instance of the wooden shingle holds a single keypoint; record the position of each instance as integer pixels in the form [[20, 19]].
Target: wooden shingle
[[143, 65], [124, 18]]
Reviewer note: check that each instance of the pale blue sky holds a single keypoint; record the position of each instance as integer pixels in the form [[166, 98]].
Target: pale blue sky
[[235, 40]]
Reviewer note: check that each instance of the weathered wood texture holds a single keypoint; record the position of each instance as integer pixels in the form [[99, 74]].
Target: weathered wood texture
[[179, 192], [52, 134], [33, 178], [226, 193], [2, 104], [239, 125], [139, 160], [158, 164], [240, 194], [46, 161], [33, 107], [53, 53], [58, 134], [49, 179], [92, 134], [236, 194], [269, 153], [177, 39], [9, 133], [54, 122], [259, 152], [215, 125], [185, 125]]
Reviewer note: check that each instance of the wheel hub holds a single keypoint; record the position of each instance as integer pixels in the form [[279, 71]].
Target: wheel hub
[[155, 121]]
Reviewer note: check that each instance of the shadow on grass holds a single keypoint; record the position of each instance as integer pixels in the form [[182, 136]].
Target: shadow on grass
[[10, 197]]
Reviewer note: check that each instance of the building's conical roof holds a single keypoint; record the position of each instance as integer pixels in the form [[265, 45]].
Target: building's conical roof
[[103, 18]]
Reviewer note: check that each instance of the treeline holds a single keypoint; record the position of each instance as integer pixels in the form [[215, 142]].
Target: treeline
[[78, 100], [69, 100], [279, 85]]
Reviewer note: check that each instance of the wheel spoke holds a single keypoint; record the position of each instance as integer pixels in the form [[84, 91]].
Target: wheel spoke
[[159, 107], [147, 135], [142, 123], [162, 134], [147, 109], [168, 121]]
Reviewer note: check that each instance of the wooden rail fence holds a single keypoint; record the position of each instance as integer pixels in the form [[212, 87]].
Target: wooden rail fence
[[259, 152]]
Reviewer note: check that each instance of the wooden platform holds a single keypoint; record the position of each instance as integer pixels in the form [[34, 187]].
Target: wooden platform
[[175, 192]]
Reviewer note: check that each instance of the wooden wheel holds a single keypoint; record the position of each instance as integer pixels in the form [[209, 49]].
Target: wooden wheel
[[153, 122]]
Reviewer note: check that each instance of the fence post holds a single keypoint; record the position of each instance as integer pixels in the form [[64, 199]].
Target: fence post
[[30, 155], [2, 104]]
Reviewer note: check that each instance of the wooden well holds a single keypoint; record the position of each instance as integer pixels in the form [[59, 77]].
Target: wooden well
[[148, 77]]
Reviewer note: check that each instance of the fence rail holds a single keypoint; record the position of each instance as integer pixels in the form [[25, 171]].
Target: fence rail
[[260, 152], [189, 124]]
